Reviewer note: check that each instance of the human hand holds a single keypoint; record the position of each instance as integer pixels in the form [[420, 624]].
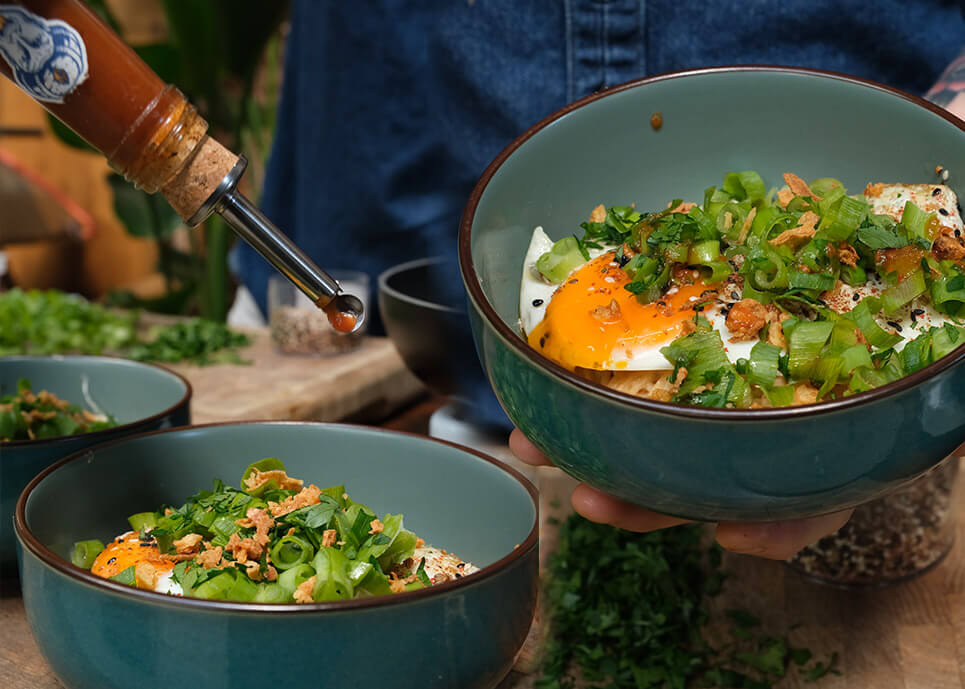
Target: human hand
[[775, 540]]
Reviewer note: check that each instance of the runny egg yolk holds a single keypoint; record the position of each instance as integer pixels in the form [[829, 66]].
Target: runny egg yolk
[[126, 551], [591, 315]]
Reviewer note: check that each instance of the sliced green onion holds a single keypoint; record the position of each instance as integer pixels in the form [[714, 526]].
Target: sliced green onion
[[704, 252], [243, 589], [866, 378], [823, 185], [826, 370], [744, 185], [762, 367], [798, 279], [84, 553], [863, 315], [272, 593], [946, 339], [948, 294], [291, 579], [853, 357], [916, 353], [840, 222], [290, 551], [142, 520], [780, 396], [560, 260], [217, 587], [331, 576], [915, 220], [262, 465], [853, 275], [804, 344], [719, 271], [893, 298]]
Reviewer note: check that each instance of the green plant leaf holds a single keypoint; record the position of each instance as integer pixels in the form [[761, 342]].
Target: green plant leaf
[[143, 215]]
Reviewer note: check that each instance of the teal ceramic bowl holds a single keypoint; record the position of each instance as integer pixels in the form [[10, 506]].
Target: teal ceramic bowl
[[463, 633], [140, 397], [687, 461]]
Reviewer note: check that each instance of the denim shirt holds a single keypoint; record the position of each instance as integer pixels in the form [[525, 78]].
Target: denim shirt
[[391, 110]]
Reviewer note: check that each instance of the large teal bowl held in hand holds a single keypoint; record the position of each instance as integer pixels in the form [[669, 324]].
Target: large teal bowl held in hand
[[97, 634], [140, 397], [709, 464]]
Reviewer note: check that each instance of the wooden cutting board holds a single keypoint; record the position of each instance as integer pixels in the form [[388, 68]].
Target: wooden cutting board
[[367, 383], [904, 636]]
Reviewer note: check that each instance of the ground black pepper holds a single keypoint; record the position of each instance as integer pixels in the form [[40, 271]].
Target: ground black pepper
[[890, 539]]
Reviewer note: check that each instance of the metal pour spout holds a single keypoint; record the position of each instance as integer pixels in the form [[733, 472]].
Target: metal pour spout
[[252, 226]]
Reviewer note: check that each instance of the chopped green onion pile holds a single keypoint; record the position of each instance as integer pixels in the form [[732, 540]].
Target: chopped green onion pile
[[51, 322], [330, 548], [627, 611], [35, 416], [786, 252]]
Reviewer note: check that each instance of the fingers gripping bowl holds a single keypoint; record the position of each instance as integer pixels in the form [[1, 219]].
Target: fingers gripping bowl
[[712, 464], [464, 632]]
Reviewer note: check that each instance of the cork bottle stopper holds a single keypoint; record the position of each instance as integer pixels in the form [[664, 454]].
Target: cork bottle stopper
[[199, 177]]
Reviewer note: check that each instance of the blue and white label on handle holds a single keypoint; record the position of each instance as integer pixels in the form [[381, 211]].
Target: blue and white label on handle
[[48, 57]]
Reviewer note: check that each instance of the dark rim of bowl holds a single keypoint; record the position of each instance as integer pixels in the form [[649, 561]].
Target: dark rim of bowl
[[66, 568], [513, 339], [389, 273], [104, 432]]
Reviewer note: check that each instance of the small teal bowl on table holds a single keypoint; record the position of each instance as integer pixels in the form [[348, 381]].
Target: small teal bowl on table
[[465, 633], [140, 397], [709, 464]]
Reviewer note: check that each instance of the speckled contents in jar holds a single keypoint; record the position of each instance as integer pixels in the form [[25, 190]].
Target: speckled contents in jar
[[297, 330], [889, 539]]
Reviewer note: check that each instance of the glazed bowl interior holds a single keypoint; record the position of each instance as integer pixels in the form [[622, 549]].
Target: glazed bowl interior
[[140, 397], [442, 492], [461, 633], [709, 464]]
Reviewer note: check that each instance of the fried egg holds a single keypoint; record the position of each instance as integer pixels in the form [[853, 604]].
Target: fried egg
[[590, 321], [128, 550]]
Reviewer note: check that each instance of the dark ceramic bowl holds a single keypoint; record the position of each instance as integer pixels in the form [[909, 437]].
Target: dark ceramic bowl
[[464, 633], [140, 397], [427, 320], [710, 464]]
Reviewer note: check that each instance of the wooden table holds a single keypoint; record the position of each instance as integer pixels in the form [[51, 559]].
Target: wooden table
[[910, 636]]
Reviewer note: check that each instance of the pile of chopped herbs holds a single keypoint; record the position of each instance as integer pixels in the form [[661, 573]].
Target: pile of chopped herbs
[[33, 416], [45, 322], [198, 340], [627, 612], [734, 241]]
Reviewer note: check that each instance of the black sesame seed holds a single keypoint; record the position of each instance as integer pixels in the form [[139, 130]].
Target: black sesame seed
[[894, 325], [936, 191], [735, 295], [537, 302], [918, 312], [542, 341], [855, 297], [698, 308], [112, 561], [943, 211], [958, 233], [623, 260]]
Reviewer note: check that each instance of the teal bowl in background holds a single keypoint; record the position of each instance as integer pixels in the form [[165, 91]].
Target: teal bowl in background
[[709, 464], [465, 633], [140, 397]]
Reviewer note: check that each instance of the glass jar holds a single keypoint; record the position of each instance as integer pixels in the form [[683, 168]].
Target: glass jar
[[299, 327], [892, 539]]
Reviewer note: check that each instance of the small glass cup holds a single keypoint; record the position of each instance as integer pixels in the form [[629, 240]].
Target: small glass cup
[[892, 539], [300, 327]]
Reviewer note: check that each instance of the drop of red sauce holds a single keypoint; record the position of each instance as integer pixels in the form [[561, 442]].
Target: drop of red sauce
[[343, 322]]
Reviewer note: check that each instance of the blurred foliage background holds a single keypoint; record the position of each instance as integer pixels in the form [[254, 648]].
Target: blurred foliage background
[[226, 56]]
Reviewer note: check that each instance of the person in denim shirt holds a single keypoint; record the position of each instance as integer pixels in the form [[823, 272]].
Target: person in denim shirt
[[391, 110]]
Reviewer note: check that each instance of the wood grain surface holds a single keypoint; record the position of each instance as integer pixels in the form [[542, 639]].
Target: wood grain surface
[[368, 383]]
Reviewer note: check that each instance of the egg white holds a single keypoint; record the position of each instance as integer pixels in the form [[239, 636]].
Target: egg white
[[165, 584], [535, 294]]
